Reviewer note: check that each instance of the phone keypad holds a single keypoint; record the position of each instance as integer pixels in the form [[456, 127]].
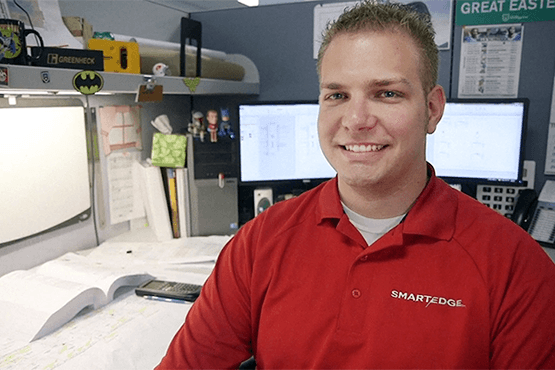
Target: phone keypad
[[503, 198], [179, 287]]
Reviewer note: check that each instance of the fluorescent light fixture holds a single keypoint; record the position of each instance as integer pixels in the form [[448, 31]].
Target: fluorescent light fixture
[[249, 2]]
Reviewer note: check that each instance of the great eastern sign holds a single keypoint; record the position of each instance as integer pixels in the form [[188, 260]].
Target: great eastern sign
[[472, 12]]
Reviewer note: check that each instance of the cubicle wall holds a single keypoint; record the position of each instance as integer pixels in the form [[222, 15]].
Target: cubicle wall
[[278, 39], [38, 249], [536, 83]]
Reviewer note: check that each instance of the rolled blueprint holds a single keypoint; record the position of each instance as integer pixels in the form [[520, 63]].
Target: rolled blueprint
[[213, 63]]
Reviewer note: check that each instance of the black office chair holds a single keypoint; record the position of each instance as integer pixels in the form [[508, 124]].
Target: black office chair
[[249, 364]]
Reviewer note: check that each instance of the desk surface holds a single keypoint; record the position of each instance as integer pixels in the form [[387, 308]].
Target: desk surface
[[128, 333]]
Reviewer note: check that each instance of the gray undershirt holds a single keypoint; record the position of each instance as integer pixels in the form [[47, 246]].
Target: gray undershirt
[[371, 229]]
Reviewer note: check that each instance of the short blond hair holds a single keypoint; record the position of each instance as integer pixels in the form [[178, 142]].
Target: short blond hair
[[394, 17]]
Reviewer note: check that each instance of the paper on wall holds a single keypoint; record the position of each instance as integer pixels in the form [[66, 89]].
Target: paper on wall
[[4, 11], [550, 150], [120, 127], [124, 190], [490, 61], [440, 11], [323, 14], [548, 192], [47, 20]]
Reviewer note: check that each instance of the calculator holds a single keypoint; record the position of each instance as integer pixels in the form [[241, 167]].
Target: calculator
[[169, 289]]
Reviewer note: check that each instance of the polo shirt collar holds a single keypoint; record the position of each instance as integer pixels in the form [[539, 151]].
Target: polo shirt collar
[[434, 212], [432, 215]]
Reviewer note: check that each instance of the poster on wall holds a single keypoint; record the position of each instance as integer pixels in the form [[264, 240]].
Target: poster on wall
[[440, 11], [126, 202], [120, 129], [474, 12], [490, 61]]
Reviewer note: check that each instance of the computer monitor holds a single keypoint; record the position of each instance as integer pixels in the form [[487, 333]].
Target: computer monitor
[[44, 167], [279, 142], [480, 141], [476, 141]]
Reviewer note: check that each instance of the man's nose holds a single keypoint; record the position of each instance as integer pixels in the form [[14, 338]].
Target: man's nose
[[359, 115]]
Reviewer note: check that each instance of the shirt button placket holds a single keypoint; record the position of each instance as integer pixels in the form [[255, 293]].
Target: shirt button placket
[[356, 293], [354, 310]]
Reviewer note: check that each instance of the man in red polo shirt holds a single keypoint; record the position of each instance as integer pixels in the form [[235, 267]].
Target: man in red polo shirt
[[385, 266]]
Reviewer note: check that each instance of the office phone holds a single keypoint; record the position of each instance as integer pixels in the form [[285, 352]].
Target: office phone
[[536, 214]]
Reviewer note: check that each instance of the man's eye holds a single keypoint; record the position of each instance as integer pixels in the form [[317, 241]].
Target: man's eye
[[336, 96], [390, 94]]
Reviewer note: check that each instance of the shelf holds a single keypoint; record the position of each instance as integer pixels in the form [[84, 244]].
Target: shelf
[[26, 79]]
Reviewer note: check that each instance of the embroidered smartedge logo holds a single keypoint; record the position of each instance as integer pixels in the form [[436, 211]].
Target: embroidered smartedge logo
[[427, 299]]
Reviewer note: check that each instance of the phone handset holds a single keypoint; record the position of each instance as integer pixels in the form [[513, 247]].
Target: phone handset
[[525, 207]]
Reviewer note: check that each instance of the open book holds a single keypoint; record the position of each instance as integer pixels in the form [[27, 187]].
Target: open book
[[36, 302]]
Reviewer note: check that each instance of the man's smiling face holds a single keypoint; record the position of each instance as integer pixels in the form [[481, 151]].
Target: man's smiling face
[[374, 113]]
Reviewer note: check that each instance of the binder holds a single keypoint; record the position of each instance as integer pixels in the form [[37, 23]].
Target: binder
[[154, 199], [172, 201], [183, 204]]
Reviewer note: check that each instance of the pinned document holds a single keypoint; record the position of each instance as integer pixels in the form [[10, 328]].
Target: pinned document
[[125, 192]]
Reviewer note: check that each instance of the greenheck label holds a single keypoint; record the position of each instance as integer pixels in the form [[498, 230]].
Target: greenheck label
[[472, 12]]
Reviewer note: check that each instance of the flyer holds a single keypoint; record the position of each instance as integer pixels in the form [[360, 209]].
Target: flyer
[[490, 61]]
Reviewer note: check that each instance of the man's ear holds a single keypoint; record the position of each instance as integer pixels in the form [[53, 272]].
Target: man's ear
[[436, 105]]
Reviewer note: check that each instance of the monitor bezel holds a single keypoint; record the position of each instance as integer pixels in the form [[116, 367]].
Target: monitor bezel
[[492, 181]]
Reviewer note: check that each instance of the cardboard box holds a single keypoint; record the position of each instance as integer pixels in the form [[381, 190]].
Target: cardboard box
[[68, 58], [79, 28], [119, 56]]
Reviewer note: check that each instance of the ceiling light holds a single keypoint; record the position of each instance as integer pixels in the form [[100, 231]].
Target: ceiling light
[[249, 2]]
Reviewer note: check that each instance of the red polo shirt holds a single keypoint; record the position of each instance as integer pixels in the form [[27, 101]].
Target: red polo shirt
[[455, 285]]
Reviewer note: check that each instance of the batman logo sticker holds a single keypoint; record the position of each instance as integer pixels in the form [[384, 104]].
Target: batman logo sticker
[[88, 82]]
